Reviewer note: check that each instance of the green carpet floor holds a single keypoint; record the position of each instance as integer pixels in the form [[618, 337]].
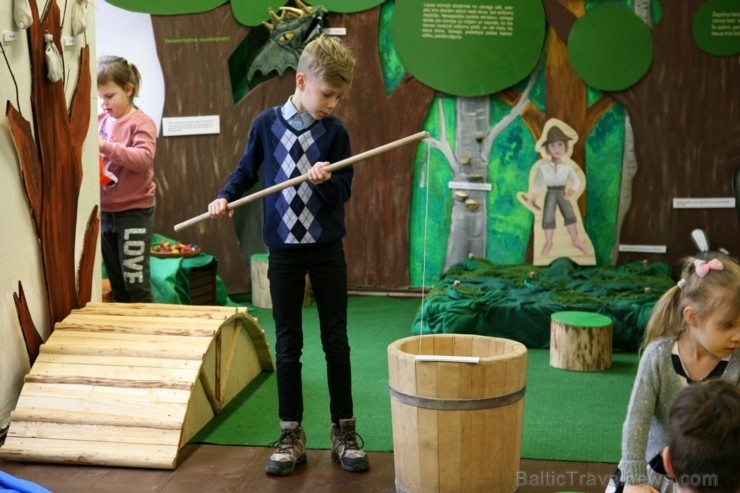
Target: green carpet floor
[[569, 416]]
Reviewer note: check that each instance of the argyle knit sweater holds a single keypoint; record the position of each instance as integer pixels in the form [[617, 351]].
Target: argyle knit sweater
[[303, 214]]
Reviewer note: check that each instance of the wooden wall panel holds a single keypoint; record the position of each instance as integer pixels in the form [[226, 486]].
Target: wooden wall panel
[[191, 170]]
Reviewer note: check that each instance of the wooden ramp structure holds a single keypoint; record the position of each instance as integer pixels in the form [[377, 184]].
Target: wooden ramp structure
[[130, 384]]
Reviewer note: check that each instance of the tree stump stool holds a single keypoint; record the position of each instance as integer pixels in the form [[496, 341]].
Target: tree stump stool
[[261, 284], [580, 341]]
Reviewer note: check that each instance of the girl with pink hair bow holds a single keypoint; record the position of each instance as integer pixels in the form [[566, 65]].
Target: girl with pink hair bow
[[693, 336]]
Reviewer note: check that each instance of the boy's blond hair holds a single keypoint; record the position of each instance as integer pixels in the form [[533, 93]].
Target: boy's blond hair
[[327, 59]]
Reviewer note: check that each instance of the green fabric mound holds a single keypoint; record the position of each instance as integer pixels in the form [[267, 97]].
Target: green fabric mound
[[516, 301], [170, 277]]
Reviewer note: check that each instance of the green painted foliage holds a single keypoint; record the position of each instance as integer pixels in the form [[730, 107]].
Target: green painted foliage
[[347, 6], [610, 48], [477, 47], [509, 223], [393, 68], [246, 12], [254, 12], [603, 177], [167, 7], [431, 203], [716, 27]]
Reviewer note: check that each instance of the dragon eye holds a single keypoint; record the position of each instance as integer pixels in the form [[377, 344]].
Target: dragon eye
[[285, 37]]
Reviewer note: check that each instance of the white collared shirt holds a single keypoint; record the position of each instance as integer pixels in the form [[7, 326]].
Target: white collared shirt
[[298, 121]]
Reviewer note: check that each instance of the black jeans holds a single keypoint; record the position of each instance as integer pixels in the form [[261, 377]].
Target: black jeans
[[126, 239], [327, 270]]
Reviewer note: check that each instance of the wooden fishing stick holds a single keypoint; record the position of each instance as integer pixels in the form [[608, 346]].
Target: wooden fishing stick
[[300, 179]]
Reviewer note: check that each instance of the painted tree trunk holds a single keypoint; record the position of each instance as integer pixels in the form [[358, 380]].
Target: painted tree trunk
[[468, 226], [190, 171], [643, 10], [687, 146]]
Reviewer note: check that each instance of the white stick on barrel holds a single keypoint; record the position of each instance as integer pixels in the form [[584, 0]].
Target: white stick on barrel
[[441, 358], [300, 179]]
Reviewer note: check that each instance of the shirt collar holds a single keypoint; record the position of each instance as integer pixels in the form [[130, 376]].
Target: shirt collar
[[290, 112]]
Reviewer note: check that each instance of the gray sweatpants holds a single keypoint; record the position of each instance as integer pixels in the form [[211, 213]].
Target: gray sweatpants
[[126, 239]]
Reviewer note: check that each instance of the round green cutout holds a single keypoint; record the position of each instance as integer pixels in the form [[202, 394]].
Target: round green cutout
[[167, 7], [469, 49], [254, 12], [347, 6], [610, 48], [716, 27]]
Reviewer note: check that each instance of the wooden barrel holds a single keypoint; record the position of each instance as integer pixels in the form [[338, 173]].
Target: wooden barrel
[[261, 284], [580, 341], [457, 409]]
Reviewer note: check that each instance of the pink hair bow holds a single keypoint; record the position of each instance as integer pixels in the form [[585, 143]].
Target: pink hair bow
[[702, 268]]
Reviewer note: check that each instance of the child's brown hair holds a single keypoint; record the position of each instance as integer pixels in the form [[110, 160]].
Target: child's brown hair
[[120, 71], [717, 288], [704, 437]]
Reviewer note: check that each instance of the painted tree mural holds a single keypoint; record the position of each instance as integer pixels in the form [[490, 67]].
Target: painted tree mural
[[564, 96], [50, 154], [612, 208], [391, 99], [686, 146]]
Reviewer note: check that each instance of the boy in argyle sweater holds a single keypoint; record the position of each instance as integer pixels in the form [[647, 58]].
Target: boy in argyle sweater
[[303, 230]]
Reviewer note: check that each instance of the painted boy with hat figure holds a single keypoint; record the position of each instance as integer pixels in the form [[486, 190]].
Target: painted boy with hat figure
[[561, 182]]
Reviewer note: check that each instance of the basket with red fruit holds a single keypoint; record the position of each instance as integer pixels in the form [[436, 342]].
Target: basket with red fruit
[[170, 249]]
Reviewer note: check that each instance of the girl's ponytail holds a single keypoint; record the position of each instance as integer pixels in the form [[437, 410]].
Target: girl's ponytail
[[666, 318]]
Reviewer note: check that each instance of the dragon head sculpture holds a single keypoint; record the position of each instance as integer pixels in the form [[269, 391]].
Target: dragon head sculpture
[[289, 33]]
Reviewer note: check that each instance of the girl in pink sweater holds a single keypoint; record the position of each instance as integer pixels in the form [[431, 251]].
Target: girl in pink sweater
[[127, 140]]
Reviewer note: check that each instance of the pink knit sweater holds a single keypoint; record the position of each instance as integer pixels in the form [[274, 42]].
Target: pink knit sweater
[[130, 144]]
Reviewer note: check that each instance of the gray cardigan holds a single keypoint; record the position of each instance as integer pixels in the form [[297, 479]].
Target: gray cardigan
[[656, 384]]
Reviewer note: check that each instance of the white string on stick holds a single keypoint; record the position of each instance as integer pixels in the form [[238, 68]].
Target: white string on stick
[[424, 248], [432, 357]]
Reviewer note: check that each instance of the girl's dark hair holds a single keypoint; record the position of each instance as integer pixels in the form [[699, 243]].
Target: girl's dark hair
[[704, 436], [120, 71]]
